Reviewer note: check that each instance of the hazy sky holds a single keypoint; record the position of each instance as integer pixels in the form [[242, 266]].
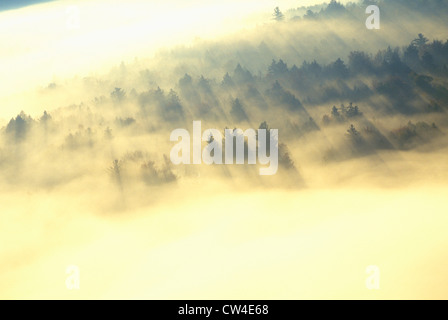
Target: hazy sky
[[67, 37]]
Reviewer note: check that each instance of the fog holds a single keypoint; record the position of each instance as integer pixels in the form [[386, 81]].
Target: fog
[[87, 179], [61, 39]]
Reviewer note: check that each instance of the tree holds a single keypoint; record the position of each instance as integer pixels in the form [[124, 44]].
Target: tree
[[335, 113], [45, 117], [312, 69], [237, 111], [420, 42], [360, 62], [334, 7], [241, 75], [264, 126], [278, 15], [204, 84], [227, 81], [352, 111], [410, 56], [278, 68], [310, 15], [284, 97], [284, 157], [338, 69], [172, 108], [118, 94], [428, 61], [354, 134], [19, 127], [115, 172], [186, 81]]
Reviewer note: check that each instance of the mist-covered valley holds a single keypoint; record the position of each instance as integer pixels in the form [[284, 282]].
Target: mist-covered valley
[[87, 179]]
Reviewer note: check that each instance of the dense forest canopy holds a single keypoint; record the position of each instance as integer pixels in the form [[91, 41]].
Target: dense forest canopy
[[349, 91]]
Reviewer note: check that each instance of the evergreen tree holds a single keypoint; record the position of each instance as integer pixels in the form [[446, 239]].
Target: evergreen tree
[[278, 15]]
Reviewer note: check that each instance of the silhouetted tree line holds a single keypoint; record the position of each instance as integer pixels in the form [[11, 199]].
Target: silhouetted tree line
[[342, 114], [335, 9], [167, 106], [399, 74]]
